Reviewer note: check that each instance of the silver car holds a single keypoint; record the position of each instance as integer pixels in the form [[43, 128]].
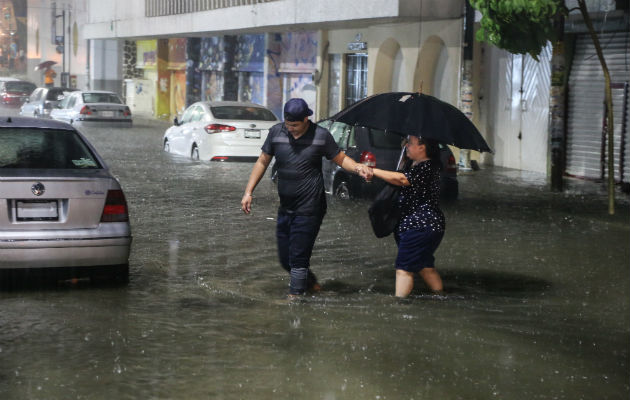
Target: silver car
[[59, 204], [92, 107], [43, 100]]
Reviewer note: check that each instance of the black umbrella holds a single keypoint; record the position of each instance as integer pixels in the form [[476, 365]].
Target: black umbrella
[[415, 114]]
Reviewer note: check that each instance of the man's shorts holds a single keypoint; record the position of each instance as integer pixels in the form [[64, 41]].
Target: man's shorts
[[416, 248]]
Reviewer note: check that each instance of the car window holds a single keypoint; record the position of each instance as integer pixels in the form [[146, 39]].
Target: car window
[[101, 98], [18, 86], [53, 94], [340, 131], [44, 148], [385, 140], [196, 114], [242, 113], [71, 101], [35, 95], [64, 103], [188, 114]]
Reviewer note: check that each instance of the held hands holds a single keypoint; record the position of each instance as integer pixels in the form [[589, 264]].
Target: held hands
[[364, 172]]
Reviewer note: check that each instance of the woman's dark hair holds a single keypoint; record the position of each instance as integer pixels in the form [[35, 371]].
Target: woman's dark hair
[[433, 151]]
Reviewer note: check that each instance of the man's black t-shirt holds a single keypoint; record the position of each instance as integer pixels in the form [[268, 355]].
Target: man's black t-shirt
[[300, 179]]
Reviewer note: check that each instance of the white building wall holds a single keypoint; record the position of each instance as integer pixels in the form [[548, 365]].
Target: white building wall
[[124, 18]]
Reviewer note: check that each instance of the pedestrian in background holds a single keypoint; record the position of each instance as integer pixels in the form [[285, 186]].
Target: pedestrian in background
[[49, 77], [298, 146], [421, 226]]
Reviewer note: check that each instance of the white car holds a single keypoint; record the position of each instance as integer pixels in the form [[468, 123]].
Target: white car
[[92, 108], [220, 131]]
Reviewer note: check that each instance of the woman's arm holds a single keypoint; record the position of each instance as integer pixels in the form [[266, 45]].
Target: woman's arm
[[395, 178]]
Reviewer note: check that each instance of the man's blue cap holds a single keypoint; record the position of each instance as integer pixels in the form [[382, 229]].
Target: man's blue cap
[[296, 110]]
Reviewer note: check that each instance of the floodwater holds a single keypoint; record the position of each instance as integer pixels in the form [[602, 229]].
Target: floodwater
[[537, 304]]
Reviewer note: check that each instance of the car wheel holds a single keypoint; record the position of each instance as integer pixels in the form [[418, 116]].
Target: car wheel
[[194, 153], [167, 146], [342, 191]]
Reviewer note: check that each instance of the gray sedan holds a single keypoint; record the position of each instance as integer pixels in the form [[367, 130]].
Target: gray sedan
[[92, 107], [59, 204]]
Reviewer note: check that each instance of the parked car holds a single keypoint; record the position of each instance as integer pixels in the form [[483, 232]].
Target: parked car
[[375, 148], [60, 207], [92, 107], [220, 131], [15, 92], [43, 100]]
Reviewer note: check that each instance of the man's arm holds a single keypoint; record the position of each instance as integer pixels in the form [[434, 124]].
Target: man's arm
[[350, 165], [257, 173]]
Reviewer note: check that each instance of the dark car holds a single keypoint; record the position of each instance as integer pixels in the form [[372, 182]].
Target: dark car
[[43, 100], [376, 148], [14, 93]]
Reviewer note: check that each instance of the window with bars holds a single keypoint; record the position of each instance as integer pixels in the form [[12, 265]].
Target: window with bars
[[356, 78]]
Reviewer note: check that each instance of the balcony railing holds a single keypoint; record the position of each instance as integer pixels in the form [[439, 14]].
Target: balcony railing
[[157, 8]]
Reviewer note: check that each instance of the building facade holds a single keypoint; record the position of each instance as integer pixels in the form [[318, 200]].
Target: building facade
[[162, 55]]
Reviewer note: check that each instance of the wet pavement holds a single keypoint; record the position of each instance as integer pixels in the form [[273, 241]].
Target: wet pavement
[[537, 304]]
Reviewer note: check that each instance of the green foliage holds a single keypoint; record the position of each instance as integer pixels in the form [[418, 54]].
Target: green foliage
[[518, 26]]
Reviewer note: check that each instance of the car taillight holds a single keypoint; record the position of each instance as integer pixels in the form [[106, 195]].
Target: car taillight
[[85, 111], [219, 158], [127, 112], [115, 209], [216, 128], [368, 159], [451, 166]]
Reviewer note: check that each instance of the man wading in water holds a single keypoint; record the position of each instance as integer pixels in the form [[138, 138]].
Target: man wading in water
[[298, 146]]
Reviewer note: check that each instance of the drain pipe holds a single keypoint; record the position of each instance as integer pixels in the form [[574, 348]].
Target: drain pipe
[[466, 87]]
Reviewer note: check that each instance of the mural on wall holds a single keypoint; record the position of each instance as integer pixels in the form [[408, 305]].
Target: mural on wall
[[141, 97], [251, 87], [146, 53], [295, 57], [300, 85], [211, 54], [178, 92], [299, 52], [274, 79], [212, 84], [193, 73], [163, 81], [249, 62], [177, 53]]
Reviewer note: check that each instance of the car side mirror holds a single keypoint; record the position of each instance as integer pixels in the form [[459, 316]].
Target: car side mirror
[[175, 121]]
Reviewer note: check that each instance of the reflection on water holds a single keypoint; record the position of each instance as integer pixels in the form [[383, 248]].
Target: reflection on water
[[537, 303]]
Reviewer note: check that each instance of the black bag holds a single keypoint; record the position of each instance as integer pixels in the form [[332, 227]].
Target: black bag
[[384, 211]]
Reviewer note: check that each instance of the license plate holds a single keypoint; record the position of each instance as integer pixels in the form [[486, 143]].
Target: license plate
[[107, 113], [252, 133], [37, 210]]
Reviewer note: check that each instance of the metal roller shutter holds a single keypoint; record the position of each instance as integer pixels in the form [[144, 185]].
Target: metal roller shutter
[[585, 151]]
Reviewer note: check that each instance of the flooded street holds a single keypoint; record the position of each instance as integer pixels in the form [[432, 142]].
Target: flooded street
[[537, 305]]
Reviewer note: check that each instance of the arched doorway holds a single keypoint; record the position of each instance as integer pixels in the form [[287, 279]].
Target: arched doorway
[[384, 66], [431, 55]]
